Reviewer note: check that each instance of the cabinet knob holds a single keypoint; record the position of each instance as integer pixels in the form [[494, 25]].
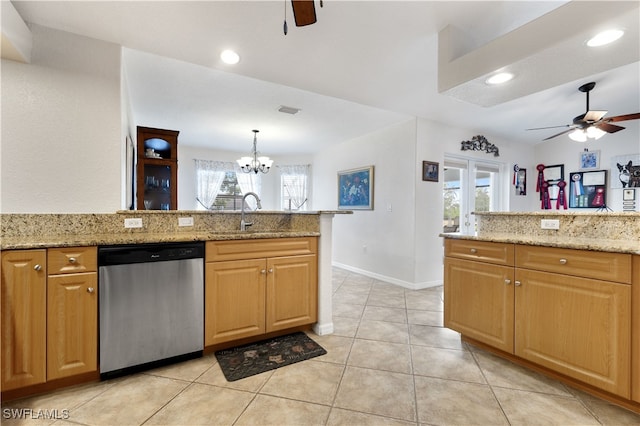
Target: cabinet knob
[[507, 281], [271, 270], [563, 261], [72, 260], [90, 290], [264, 271], [37, 267], [474, 250], [518, 283]]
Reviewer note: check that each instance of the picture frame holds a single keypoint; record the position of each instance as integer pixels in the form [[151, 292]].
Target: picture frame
[[589, 160], [355, 189], [553, 175], [588, 189], [628, 194], [430, 171]]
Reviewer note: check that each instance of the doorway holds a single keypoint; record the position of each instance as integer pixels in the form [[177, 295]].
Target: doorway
[[469, 186]]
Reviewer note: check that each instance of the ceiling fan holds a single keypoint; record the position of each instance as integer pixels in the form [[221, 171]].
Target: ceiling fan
[[304, 13], [591, 124]]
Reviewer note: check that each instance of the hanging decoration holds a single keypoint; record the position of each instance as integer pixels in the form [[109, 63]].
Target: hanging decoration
[[480, 143], [540, 169], [520, 180], [562, 195]]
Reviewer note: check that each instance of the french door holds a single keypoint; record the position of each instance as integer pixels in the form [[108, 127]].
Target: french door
[[469, 186]]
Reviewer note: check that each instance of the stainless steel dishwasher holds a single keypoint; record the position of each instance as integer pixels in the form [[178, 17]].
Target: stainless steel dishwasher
[[151, 300]]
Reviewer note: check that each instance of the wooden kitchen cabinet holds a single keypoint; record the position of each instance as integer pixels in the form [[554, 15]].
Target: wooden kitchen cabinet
[[635, 330], [253, 287], [234, 300], [49, 321], [157, 169], [478, 295], [563, 309], [72, 312], [574, 322], [24, 308]]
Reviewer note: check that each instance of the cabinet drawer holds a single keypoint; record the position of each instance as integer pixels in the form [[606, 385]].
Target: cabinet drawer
[[68, 260], [580, 263], [254, 249], [482, 251]]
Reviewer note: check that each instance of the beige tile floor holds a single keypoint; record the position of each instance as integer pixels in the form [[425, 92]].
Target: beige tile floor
[[389, 362]]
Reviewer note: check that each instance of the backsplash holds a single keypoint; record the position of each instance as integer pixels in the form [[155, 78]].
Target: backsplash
[[18, 225], [609, 226]]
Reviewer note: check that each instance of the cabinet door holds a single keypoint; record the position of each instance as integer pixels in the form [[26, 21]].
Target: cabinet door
[[292, 288], [72, 324], [579, 327], [24, 308], [234, 300], [478, 301]]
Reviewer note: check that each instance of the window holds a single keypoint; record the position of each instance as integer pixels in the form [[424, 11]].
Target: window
[[294, 187], [469, 186], [230, 195], [221, 185]]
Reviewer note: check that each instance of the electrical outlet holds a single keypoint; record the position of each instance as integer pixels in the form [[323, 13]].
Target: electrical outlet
[[185, 221], [133, 223], [550, 224]]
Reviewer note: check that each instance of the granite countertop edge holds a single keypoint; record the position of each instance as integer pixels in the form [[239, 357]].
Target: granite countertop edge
[[606, 245], [45, 241]]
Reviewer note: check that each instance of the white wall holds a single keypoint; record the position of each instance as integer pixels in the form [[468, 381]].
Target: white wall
[[61, 132], [562, 150], [380, 240]]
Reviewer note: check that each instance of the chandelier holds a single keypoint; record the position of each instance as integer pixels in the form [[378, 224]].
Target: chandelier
[[254, 163]]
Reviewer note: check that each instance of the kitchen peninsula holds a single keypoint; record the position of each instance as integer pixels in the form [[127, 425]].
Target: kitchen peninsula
[[41, 251], [563, 301]]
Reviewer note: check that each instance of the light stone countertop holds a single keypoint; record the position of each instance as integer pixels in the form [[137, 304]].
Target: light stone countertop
[[594, 244], [82, 240]]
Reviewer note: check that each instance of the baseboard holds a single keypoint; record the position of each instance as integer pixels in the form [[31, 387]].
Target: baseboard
[[391, 280], [323, 329]]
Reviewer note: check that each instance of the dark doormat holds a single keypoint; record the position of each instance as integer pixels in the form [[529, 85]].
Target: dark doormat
[[255, 358]]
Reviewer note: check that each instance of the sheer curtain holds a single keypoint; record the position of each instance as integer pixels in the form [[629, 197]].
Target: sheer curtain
[[249, 182], [294, 181], [209, 177]]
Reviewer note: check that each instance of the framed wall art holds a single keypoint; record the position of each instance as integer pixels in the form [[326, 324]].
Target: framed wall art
[[430, 171], [355, 189], [588, 189], [589, 160]]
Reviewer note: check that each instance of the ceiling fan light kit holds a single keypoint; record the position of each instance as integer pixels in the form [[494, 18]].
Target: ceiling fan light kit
[[591, 124]]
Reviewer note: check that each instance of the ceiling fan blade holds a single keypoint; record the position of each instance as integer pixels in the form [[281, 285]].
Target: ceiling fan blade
[[609, 128], [625, 117], [558, 134], [550, 127], [593, 116], [304, 12]]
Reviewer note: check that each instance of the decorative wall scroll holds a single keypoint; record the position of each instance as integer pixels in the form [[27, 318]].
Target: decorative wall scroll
[[520, 180], [480, 143]]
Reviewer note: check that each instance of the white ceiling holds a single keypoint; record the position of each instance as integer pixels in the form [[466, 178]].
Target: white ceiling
[[363, 66]]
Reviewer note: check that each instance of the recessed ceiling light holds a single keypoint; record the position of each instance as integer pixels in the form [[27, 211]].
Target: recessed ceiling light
[[605, 37], [230, 57], [499, 78]]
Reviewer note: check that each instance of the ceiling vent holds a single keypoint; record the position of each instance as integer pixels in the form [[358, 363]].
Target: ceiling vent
[[288, 110]]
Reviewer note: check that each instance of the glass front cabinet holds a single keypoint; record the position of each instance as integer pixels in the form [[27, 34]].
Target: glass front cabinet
[[157, 169]]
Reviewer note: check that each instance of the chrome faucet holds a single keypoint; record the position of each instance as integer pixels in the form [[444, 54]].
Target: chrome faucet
[[243, 223]]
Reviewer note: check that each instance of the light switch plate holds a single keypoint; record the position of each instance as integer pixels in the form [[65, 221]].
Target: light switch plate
[[185, 221], [135, 222], [550, 224]]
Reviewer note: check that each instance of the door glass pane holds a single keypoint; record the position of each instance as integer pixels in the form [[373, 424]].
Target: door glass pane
[[453, 197]]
